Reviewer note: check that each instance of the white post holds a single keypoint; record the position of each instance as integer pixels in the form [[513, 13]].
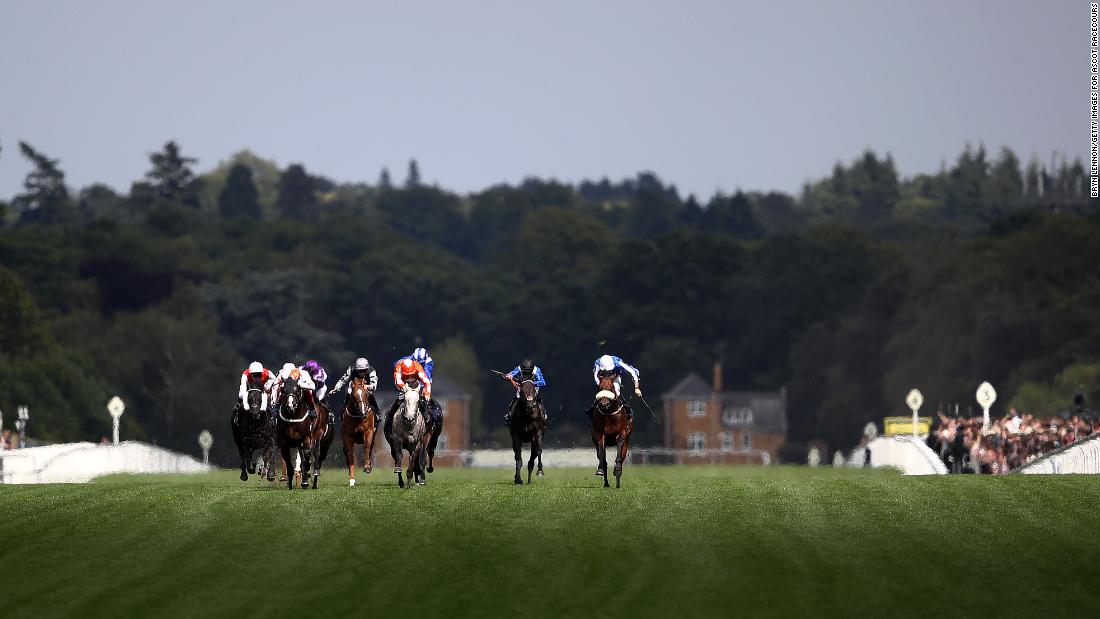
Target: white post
[[914, 401], [1, 431], [115, 408], [205, 441], [986, 396], [21, 425]]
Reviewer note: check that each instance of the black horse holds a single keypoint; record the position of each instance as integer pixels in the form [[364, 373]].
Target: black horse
[[527, 425], [252, 431]]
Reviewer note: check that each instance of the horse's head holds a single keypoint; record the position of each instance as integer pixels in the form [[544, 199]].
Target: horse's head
[[412, 404], [361, 394], [292, 391], [257, 401], [528, 393], [606, 380]]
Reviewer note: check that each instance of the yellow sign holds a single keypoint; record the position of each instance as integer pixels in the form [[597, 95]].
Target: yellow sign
[[904, 425]]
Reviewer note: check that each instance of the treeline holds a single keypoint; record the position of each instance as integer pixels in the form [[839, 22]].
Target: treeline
[[863, 286]]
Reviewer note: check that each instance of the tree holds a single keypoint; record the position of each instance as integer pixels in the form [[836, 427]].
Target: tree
[[172, 177], [413, 178], [46, 199], [384, 182], [239, 197], [22, 331], [297, 197], [1004, 190]]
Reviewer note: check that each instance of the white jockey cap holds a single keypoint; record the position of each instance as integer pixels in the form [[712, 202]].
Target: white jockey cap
[[607, 363], [287, 367], [255, 367], [361, 363]]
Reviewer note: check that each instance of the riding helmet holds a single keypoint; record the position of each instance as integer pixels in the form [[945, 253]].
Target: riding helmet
[[527, 366]]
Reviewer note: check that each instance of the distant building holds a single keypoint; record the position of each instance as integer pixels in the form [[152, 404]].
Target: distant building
[[707, 425], [455, 439]]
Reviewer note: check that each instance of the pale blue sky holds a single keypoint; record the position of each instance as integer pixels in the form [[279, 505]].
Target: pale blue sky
[[709, 95]]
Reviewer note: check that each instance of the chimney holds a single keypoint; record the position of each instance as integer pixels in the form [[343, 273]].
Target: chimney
[[721, 350]]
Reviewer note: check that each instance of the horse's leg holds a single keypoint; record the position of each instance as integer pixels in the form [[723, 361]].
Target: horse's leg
[[305, 455], [348, 442], [517, 449], [601, 453], [398, 460], [536, 449], [269, 459], [284, 450], [437, 429], [368, 448], [624, 443]]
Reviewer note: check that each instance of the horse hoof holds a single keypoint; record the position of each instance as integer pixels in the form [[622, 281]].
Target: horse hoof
[[400, 484], [431, 469], [252, 470], [244, 476], [351, 482], [421, 482], [366, 469], [539, 474], [518, 482]]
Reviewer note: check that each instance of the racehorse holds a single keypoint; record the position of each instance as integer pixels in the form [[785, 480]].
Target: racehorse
[[527, 425], [611, 425], [432, 435], [295, 429], [407, 431], [358, 419], [252, 431]]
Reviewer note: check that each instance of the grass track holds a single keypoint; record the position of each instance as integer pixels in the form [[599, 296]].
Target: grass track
[[674, 541]]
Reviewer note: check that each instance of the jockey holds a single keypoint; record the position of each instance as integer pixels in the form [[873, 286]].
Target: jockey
[[526, 370], [614, 366], [319, 376], [421, 356], [277, 387], [256, 377], [360, 369], [407, 370]]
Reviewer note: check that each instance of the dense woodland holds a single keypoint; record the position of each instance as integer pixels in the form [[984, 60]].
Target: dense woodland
[[862, 287]]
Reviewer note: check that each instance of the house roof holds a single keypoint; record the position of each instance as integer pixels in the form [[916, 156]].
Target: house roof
[[768, 409], [690, 385], [443, 388]]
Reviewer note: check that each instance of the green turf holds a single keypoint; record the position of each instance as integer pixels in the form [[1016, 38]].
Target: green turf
[[674, 541]]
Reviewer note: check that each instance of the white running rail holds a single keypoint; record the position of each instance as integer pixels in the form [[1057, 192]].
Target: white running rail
[[81, 462]]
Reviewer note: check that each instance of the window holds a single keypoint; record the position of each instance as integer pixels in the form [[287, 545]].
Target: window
[[697, 408], [727, 441], [697, 442], [746, 440], [734, 416]]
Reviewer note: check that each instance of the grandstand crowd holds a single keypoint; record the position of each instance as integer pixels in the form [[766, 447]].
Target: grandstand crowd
[[966, 445]]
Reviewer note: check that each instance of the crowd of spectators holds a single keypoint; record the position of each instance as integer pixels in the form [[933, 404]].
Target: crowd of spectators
[[967, 445]]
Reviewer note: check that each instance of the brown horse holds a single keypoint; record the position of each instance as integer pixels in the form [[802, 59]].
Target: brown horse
[[296, 430], [611, 425], [527, 425], [358, 420]]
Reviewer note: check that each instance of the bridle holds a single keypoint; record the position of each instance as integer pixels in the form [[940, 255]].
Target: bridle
[[360, 398], [290, 402]]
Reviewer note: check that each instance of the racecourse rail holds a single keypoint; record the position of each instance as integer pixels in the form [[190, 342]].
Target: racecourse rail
[[81, 462]]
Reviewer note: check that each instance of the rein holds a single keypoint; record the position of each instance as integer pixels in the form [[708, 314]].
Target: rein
[[299, 420], [362, 407]]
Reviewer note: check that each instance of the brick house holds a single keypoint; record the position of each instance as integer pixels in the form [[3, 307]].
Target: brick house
[[454, 442], [707, 425]]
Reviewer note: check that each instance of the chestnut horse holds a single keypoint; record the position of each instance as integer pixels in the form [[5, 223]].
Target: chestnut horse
[[527, 425], [358, 420], [295, 429], [611, 425]]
